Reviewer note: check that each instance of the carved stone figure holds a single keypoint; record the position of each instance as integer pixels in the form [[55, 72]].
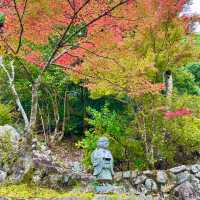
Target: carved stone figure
[[102, 161]]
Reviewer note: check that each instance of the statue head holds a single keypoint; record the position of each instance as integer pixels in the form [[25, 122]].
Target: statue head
[[103, 143]]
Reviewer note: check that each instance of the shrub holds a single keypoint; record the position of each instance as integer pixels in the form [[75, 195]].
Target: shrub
[[149, 138], [5, 114], [127, 151]]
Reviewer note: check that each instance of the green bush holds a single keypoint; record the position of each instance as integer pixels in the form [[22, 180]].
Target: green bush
[[149, 137], [5, 114], [173, 140], [8, 153], [127, 151]]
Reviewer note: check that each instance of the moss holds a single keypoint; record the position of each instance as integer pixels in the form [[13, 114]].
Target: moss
[[28, 177], [31, 191], [26, 191]]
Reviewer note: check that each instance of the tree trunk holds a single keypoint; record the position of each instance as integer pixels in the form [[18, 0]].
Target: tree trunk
[[64, 116], [34, 109], [11, 77], [168, 83], [168, 87]]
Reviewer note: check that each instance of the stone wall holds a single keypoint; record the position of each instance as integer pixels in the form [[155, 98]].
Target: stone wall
[[169, 184]]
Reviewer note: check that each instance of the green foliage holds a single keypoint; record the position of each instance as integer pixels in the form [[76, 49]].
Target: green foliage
[[144, 138], [126, 150], [88, 144], [5, 114], [187, 79], [2, 18], [195, 70], [8, 152], [168, 138], [185, 82]]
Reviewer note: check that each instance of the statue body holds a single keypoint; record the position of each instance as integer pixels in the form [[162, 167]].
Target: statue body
[[102, 161]]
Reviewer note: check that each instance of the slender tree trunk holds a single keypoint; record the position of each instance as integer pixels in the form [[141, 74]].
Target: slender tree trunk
[[64, 116], [168, 83], [34, 109], [43, 125], [11, 77]]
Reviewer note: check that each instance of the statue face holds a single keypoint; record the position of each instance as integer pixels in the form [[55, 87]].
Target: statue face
[[103, 143]]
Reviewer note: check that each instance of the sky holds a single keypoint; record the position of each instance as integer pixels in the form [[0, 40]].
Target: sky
[[193, 9]]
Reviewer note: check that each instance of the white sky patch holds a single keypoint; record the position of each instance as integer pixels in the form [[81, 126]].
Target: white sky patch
[[193, 8]]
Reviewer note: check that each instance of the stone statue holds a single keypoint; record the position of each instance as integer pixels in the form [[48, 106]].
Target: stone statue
[[102, 162]]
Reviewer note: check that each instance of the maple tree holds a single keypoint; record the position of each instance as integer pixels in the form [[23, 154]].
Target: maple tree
[[61, 23], [116, 46], [153, 41]]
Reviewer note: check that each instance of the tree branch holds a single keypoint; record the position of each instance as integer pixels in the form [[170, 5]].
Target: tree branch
[[13, 90], [20, 18]]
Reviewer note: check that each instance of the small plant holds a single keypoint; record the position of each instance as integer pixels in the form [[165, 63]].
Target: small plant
[[2, 18], [5, 114]]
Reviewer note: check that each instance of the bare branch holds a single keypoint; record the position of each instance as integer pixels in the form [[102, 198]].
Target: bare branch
[[20, 18], [14, 91]]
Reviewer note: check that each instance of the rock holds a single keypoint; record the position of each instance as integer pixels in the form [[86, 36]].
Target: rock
[[195, 182], [44, 160], [77, 168], [195, 168], [55, 180], [36, 179], [151, 185], [182, 177], [118, 176], [197, 175], [148, 172], [127, 174], [141, 189], [161, 177], [86, 177], [105, 188], [185, 191], [3, 176], [103, 197], [140, 179], [179, 169], [12, 132]]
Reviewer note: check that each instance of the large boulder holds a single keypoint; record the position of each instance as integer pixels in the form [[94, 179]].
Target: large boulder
[[3, 176], [8, 130]]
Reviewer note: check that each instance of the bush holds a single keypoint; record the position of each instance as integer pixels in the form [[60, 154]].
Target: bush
[[172, 140], [127, 151], [5, 114], [148, 139]]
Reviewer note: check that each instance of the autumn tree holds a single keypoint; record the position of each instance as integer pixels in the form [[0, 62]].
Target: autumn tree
[[155, 41], [30, 27]]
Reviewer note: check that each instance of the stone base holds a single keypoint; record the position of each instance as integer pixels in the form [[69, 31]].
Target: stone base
[[104, 189]]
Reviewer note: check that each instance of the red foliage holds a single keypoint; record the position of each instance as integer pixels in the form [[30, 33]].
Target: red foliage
[[34, 57], [44, 16], [177, 113]]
